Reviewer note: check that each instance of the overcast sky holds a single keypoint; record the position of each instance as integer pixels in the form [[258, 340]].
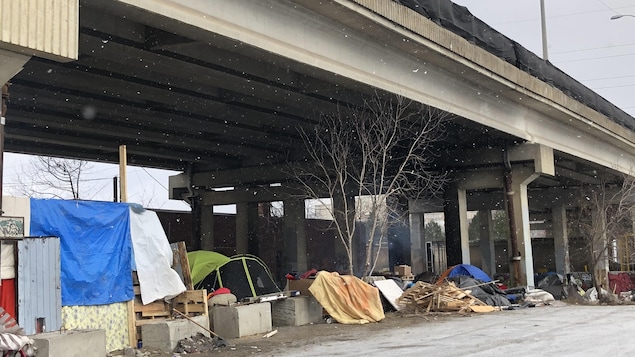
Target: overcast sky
[[582, 41]]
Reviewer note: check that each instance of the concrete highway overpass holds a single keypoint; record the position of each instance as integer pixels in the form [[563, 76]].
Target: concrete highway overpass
[[218, 89]]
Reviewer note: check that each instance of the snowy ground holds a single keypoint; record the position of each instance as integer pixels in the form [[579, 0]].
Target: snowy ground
[[563, 330], [558, 330]]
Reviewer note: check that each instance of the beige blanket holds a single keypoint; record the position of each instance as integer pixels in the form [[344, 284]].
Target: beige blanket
[[347, 299]]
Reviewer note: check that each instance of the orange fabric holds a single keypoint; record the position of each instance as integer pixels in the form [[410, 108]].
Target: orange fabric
[[7, 296], [444, 275], [347, 299]]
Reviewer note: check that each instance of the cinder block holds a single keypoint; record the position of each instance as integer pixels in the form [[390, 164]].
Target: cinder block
[[242, 320], [71, 343], [296, 311], [165, 334]]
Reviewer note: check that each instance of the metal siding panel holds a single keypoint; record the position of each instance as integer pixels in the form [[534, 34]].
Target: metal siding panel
[[47, 28], [38, 286]]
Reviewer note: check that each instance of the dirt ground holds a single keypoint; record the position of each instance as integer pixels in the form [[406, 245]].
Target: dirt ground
[[296, 338]]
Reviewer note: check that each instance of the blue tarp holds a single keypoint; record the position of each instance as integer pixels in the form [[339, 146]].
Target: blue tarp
[[469, 270], [95, 248]]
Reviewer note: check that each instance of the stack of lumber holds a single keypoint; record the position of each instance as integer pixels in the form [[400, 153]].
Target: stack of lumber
[[444, 297]]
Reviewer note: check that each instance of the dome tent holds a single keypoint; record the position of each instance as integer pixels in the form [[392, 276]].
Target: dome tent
[[203, 262], [465, 270], [244, 275]]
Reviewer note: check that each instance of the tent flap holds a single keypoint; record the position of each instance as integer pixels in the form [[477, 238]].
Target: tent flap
[[203, 262]]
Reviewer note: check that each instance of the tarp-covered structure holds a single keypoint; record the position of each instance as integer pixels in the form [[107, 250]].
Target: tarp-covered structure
[[464, 270], [101, 243], [481, 286], [244, 275], [347, 299]]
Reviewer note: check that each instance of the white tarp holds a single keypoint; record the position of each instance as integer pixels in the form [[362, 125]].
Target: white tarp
[[153, 257]]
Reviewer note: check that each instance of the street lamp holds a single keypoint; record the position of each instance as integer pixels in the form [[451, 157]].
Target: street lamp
[[615, 17]]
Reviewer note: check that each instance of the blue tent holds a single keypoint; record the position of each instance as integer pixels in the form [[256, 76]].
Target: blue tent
[[468, 270]]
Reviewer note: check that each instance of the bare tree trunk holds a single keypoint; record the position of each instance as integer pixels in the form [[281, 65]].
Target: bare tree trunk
[[381, 151]]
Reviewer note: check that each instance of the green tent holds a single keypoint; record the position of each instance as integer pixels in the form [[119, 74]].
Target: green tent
[[203, 262], [244, 275]]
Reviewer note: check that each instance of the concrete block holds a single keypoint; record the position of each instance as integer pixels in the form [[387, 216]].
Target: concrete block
[[242, 320], [296, 311], [165, 334], [71, 343]]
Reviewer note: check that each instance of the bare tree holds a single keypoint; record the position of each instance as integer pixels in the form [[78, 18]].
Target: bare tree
[[603, 216], [52, 177], [380, 154]]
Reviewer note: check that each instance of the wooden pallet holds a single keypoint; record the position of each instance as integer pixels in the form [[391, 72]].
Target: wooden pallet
[[444, 297], [191, 301]]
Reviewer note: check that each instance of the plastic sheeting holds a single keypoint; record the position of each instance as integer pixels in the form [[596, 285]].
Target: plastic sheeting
[[459, 20], [153, 257], [464, 270], [95, 248], [347, 299]]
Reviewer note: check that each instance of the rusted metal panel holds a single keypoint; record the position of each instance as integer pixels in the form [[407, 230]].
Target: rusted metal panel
[[44, 28], [39, 293]]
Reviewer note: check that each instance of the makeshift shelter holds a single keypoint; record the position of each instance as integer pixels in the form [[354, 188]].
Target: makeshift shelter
[[346, 298], [244, 275], [101, 243], [464, 270], [487, 292]]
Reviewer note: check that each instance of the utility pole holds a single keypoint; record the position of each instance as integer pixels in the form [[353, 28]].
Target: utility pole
[[543, 22], [3, 112]]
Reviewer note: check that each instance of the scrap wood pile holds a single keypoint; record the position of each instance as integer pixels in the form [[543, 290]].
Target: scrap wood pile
[[443, 297]]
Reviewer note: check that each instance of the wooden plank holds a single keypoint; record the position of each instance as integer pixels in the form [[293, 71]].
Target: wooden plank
[[479, 308], [185, 266], [149, 321], [132, 327], [153, 309]]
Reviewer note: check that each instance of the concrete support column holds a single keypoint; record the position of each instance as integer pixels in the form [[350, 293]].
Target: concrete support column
[[417, 247], [457, 243], [560, 239], [246, 228], [207, 227], [487, 242], [600, 249], [295, 251], [203, 224], [521, 177]]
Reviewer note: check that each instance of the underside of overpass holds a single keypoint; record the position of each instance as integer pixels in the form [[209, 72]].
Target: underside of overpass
[[226, 109]]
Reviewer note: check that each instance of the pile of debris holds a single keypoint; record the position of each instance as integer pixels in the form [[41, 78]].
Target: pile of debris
[[444, 297], [199, 343]]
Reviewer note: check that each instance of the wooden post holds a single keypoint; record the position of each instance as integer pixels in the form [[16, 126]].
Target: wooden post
[[185, 266], [123, 191], [123, 161]]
